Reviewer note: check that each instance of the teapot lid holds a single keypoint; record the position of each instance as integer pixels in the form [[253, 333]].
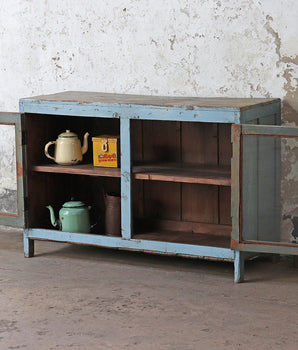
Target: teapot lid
[[67, 133], [73, 204]]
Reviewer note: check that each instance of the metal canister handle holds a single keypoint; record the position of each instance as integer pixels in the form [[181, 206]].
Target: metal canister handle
[[104, 146]]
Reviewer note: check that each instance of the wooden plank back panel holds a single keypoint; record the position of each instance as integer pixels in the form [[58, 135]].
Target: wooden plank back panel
[[200, 203], [225, 205], [161, 141], [136, 138], [162, 200], [224, 144], [199, 143], [200, 146], [196, 143], [138, 199]]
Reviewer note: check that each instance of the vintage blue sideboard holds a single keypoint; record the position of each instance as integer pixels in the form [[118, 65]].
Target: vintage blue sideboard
[[190, 177]]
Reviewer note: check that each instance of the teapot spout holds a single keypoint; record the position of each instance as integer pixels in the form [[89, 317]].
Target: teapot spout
[[52, 216], [85, 144]]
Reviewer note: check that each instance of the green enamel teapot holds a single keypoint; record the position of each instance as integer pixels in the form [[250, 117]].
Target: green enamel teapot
[[73, 217]]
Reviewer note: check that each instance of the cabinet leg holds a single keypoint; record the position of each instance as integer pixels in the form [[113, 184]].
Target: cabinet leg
[[239, 267], [28, 247]]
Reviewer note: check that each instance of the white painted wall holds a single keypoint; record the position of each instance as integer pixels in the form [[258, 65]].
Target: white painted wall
[[8, 176], [199, 48], [240, 48]]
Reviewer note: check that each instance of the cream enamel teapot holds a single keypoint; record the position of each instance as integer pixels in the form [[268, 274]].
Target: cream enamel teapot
[[68, 149]]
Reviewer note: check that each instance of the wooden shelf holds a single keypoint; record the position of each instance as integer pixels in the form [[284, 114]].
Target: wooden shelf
[[152, 224], [81, 169], [187, 173], [185, 237]]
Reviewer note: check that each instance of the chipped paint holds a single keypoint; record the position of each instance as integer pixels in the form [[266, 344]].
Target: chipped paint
[[19, 169]]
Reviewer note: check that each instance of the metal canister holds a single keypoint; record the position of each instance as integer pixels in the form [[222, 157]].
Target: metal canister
[[106, 151], [112, 214]]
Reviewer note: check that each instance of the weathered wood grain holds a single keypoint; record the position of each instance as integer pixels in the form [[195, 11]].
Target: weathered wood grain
[[168, 101], [80, 169]]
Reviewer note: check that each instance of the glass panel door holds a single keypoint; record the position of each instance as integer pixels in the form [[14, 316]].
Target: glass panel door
[[266, 187], [11, 171]]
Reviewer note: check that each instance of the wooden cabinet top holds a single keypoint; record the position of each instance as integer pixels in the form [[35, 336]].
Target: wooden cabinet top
[[162, 101], [108, 105]]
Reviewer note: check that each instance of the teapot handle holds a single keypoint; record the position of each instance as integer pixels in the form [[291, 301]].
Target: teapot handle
[[46, 149]]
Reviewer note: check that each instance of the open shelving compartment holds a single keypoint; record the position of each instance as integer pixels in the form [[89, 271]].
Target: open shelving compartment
[[51, 184], [182, 182], [181, 178]]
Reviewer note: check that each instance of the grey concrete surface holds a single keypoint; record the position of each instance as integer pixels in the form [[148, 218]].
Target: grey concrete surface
[[75, 297]]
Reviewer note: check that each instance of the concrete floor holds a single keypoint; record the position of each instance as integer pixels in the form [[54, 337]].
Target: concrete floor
[[75, 297]]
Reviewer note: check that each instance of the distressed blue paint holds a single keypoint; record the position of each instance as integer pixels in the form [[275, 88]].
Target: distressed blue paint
[[28, 244], [238, 267], [133, 244], [126, 210], [26, 247], [104, 110], [259, 111], [270, 130]]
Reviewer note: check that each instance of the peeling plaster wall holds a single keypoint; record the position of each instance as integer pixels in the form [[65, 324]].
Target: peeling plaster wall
[[198, 48], [8, 178], [240, 48]]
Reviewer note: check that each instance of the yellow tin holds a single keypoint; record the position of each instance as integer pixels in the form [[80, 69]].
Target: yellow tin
[[106, 151]]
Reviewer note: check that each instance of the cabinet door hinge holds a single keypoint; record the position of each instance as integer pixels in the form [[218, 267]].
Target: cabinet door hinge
[[26, 203], [24, 138]]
